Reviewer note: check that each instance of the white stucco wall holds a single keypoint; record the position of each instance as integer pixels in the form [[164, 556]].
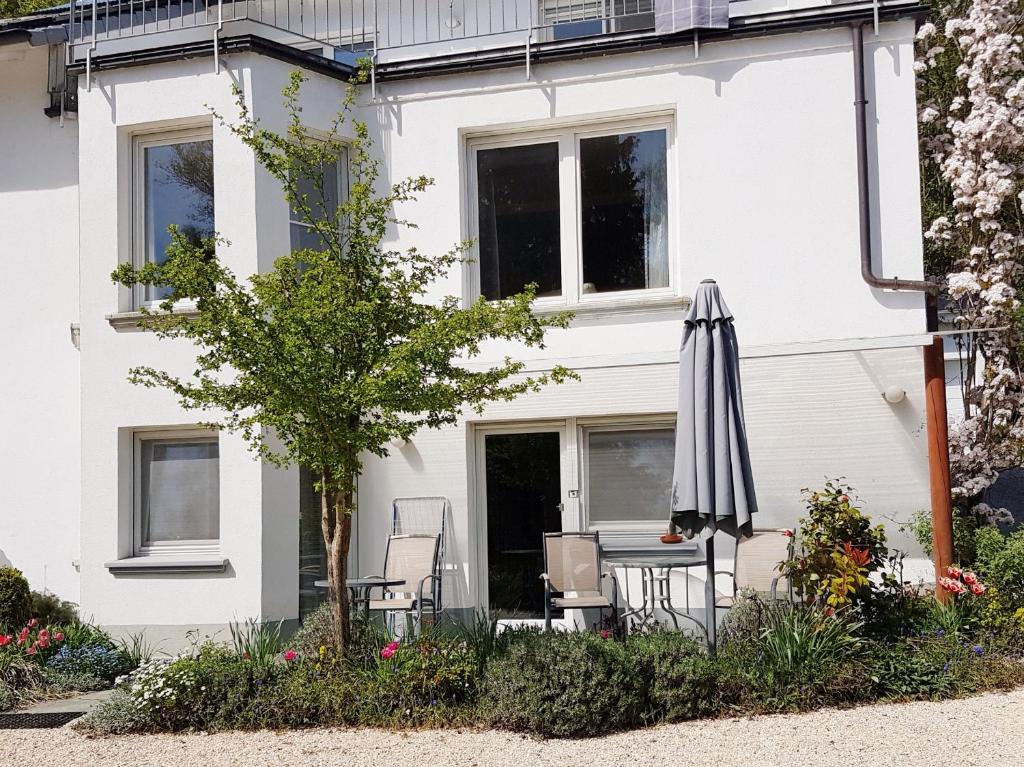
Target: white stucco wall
[[39, 410], [764, 200]]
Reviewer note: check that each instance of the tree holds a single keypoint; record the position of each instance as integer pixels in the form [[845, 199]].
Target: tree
[[971, 87], [335, 352], [12, 9]]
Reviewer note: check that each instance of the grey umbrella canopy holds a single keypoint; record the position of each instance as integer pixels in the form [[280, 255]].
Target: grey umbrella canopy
[[712, 487]]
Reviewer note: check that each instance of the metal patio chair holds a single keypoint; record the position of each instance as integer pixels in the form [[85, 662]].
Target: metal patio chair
[[414, 559], [757, 566], [572, 563]]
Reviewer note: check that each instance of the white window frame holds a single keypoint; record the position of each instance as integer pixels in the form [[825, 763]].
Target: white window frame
[[343, 188], [586, 428], [139, 547], [568, 138], [141, 142]]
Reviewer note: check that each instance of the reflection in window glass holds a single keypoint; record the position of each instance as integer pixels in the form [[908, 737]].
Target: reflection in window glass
[[629, 474], [178, 190], [519, 230], [624, 212], [323, 205], [180, 490]]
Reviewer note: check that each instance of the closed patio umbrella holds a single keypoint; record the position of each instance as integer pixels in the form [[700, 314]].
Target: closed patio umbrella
[[712, 487]]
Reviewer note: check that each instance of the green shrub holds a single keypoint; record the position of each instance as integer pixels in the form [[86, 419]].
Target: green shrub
[[117, 715], [802, 659], [74, 681], [839, 549], [565, 685], [427, 682], [684, 682], [315, 632], [8, 697], [1000, 563], [51, 610], [15, 600], [85, 635]]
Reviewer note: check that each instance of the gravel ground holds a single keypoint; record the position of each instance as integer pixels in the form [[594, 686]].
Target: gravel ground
[[987, 730]]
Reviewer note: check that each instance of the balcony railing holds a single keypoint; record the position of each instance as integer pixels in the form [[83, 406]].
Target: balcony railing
[[346, 29]]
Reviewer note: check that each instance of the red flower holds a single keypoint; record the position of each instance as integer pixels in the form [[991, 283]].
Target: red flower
[[605, 633], [22, 636], [43, 642], [32, 623], [844, 498], [5, 639], [290, 655], [788, 533], [59, 636], [977, 589], [44, 634], [246, 656], [954, 572], [954, 587], [970, 578], [829, 612], [31, 650]]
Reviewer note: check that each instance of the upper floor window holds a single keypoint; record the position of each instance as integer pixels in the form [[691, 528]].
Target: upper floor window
[[583, 215], [177, 491], [323, 203], [173, 184]]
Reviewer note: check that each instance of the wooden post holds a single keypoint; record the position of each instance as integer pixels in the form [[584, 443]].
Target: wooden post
[[938, 460]]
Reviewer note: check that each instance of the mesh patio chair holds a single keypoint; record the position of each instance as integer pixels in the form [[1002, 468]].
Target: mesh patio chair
[[757, 566], [412, 558], [572, 563]]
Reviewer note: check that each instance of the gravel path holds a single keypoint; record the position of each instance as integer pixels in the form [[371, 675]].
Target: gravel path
[[987, 730]]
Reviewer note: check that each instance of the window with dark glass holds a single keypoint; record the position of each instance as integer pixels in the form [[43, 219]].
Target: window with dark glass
[[623, 205], [177, 189], [322, 195], [518, 229]]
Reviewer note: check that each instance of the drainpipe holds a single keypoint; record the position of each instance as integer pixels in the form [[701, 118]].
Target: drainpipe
[[934, 362]]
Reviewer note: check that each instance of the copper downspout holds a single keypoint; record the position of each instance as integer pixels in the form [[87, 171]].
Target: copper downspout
[[934, 363]]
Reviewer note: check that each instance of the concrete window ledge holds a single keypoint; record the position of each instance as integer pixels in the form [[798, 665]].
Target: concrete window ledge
[[166, 565], [130, 320]]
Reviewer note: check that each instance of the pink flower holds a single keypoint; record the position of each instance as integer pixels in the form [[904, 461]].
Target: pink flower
[[977, 589], [605, 633], [31, 650], [970, 578], [43, 642], [388, 650], [844, 498], [59, 636], [32, 623], [954, 572], [788, 533], [22, 636], [5, 639], [290, 655], [44, 634], [954, 587]]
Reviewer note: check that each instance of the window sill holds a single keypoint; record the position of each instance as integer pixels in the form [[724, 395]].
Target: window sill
[[129, 321], [166, 565], [596, 309]]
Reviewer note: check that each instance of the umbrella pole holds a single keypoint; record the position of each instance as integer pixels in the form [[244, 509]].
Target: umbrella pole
[[709, 595]]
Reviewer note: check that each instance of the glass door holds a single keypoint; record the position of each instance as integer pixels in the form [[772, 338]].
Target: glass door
[[523, 492]]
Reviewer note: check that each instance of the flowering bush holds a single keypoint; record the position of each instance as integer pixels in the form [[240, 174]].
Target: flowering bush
[[971, 84], [33, 640], [838, 549], [960, 611], [95, 660]]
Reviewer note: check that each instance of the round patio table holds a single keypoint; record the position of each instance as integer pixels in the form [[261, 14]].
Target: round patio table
[[655, 578], [360, 588]]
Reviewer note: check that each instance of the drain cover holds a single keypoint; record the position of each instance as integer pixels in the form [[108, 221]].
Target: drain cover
[[37, 721]]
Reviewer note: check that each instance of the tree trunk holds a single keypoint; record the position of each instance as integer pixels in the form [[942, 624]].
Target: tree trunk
[[336, 521]]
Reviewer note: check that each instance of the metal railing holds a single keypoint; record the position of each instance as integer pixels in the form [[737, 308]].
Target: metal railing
[[360, 25]]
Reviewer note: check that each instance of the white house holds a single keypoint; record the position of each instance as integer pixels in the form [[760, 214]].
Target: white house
[[581, 146]]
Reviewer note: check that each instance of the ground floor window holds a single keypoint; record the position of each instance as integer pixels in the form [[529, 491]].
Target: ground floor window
[[177, 498], [312, 551], [628, 474]]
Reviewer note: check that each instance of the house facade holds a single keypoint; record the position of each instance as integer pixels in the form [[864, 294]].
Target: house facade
[[579, 146]]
